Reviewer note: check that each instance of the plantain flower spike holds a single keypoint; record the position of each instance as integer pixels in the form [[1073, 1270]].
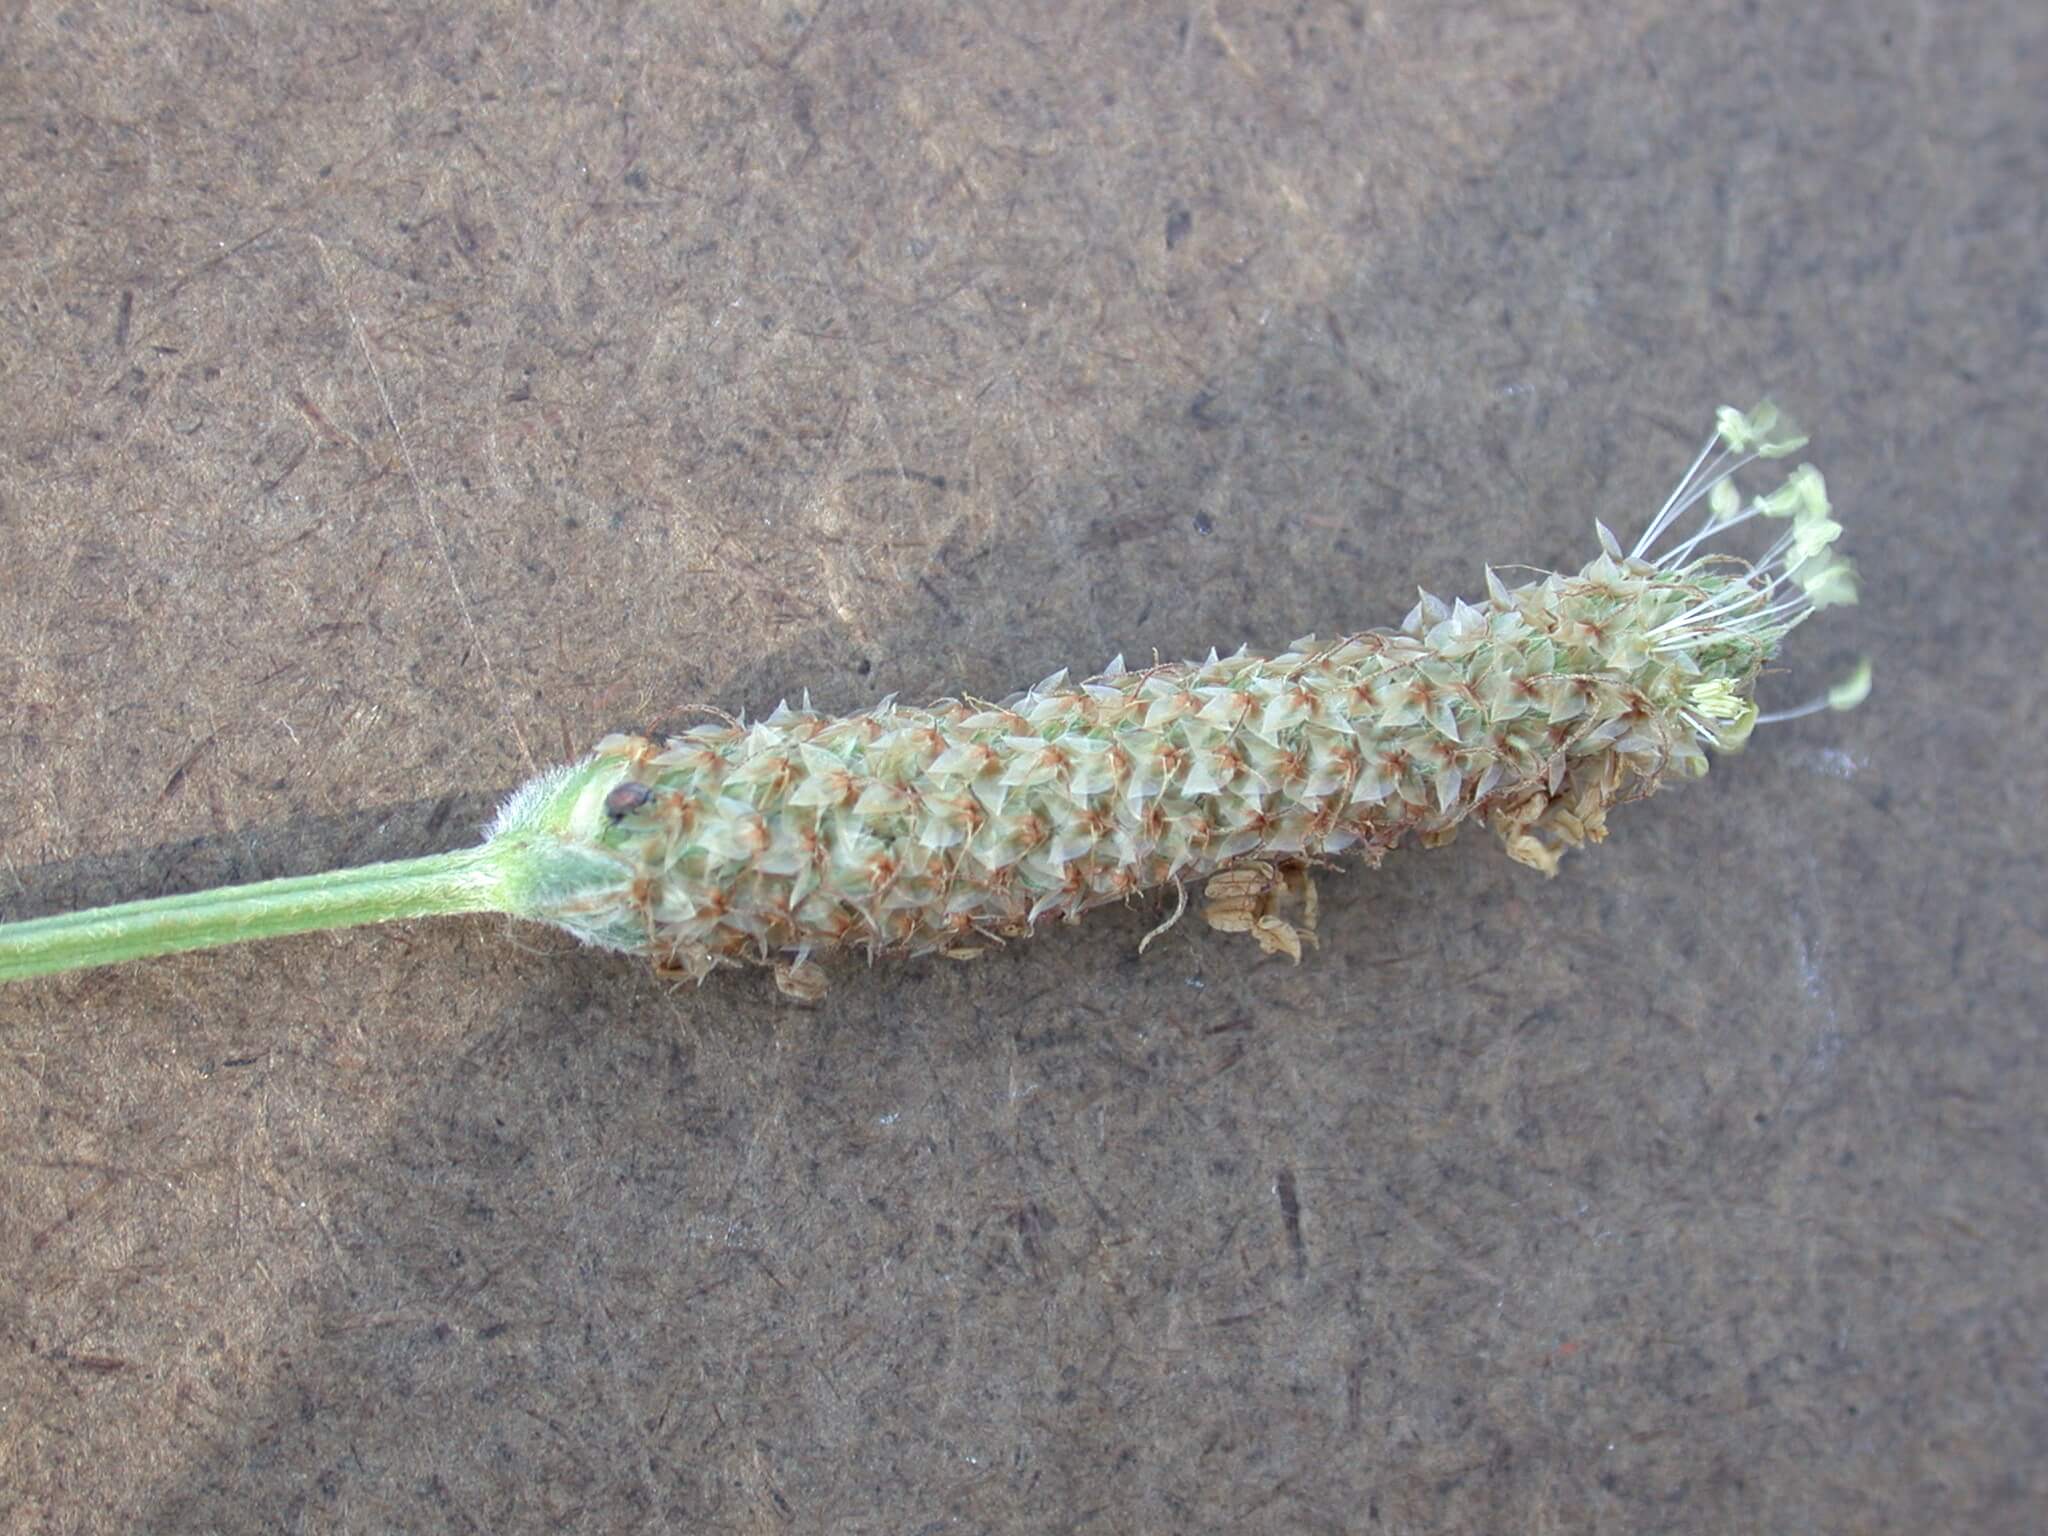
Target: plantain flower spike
[[964, 824]]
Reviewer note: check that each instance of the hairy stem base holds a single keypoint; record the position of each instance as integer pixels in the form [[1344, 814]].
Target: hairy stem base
[[465, 880]]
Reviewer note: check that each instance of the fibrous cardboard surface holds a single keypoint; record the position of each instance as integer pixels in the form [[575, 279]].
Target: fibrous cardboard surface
[[390, 406]]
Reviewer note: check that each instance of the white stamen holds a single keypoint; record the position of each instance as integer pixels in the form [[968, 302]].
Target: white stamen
[[1665, 514]]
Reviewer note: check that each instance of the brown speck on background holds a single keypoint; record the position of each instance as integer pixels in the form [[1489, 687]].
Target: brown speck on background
[[378, 394]]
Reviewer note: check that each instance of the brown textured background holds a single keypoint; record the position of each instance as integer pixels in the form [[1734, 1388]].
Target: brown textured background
[[390, 406]]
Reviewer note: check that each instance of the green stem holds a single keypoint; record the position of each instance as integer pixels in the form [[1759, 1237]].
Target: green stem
[[466, 880]]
